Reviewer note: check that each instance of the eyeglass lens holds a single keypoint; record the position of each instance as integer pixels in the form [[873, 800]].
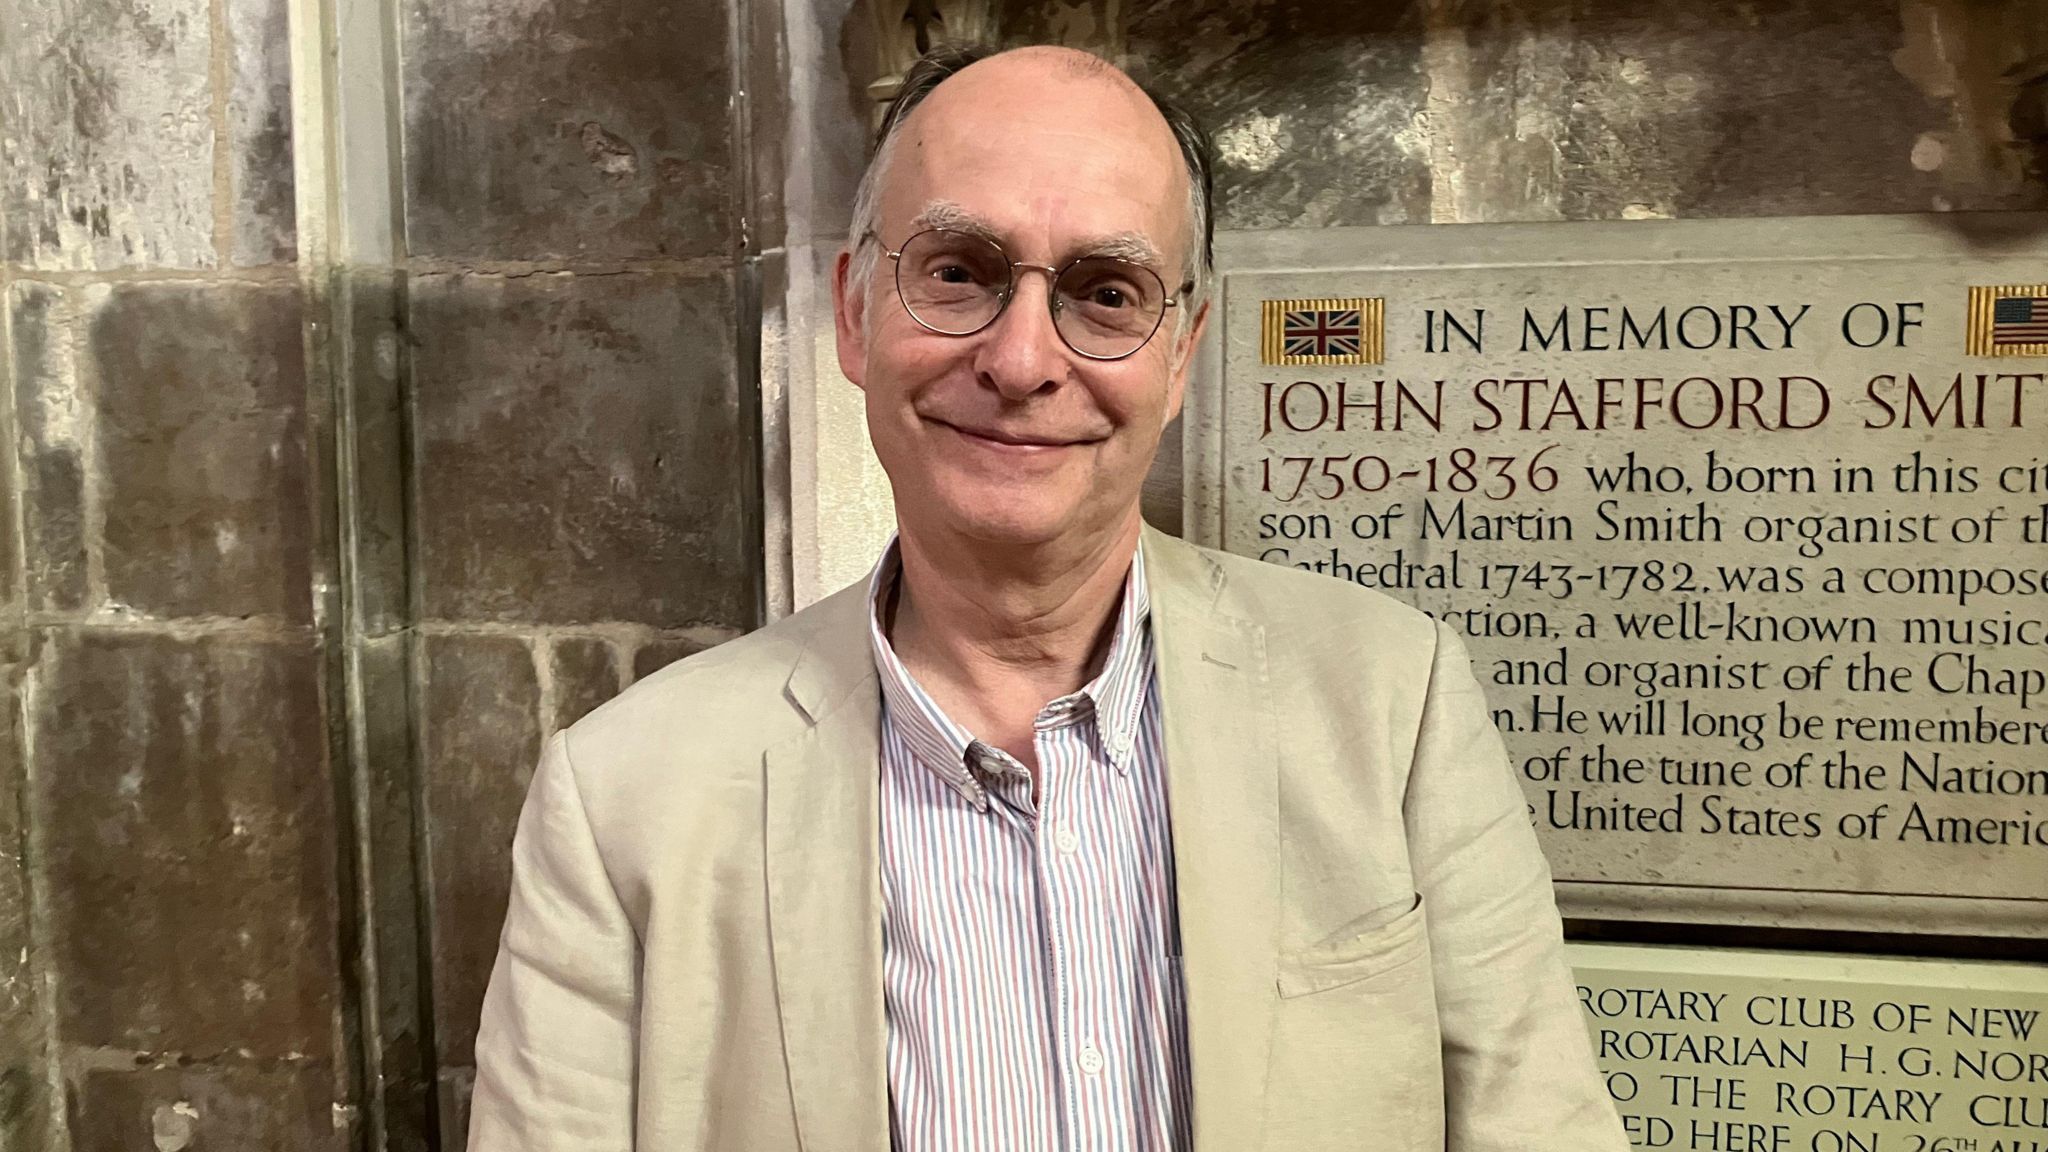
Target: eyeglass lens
[[957, 283]]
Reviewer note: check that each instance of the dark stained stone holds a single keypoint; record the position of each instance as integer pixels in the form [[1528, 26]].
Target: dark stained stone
[[49, 421], [1314, 106], [458, 1088], [207, 1109], [369, 323], [1091, 25], [659, 653], [584, 129], [1587, 109], [1162, 497], [584, 676], [1759, 109], [481, 717], [24, 1113], [185, 811], [579, 450], [199, 410], [396, 1054]]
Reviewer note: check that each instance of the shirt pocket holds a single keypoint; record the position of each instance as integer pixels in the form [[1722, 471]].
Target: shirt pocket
[[1380, 942]]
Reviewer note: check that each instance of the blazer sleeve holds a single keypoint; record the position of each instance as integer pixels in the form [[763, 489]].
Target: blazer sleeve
[[555, 1048], [1518, 1069]]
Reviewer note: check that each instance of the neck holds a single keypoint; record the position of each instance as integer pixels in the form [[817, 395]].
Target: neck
[[994, 634]]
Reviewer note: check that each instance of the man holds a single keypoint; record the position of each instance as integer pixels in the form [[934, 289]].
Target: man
[[1057, 833]]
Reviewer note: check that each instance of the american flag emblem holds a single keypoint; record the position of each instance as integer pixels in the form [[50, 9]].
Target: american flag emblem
[[2020, 320], [1325, 331], [2009, 320]]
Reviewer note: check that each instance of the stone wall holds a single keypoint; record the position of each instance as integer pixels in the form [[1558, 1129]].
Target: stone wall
[[306, 553], [172, 943], [309, 544]]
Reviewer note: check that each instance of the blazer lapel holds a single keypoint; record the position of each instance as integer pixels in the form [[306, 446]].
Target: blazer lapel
[[824, 888], [1223, 794]]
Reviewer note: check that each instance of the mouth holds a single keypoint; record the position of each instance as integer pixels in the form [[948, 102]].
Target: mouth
[[1006, 440]]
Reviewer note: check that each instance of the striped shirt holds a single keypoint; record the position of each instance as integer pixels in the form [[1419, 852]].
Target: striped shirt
[[1031, 949]]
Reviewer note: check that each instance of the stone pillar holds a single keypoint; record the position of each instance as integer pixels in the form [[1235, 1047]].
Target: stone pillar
[[583, 481]]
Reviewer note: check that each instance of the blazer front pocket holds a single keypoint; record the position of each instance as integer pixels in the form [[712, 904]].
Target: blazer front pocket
[[1354, 954]]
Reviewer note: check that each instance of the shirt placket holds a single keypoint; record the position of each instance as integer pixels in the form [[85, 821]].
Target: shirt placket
[[1083, 1055]]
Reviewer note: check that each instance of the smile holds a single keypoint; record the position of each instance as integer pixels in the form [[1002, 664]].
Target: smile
[[1004, 441]]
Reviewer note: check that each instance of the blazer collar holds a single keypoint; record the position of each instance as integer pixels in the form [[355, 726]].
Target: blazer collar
[[1222, 770], [821, 796]]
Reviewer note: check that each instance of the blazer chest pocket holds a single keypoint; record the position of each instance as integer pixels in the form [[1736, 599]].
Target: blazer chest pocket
[[1376, 947]]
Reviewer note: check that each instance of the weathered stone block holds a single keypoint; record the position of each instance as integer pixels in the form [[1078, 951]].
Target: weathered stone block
[[587, 129], [49, 416], [185, 811], [188, 424], [207, 1109], [659, 653], [1789, 107], [260, 177], [108, 161], [579, 451], [24, 1107], [25, 1120], [1581, 109], [584, 674], [1317, 109], [108, 156], [481, 717]]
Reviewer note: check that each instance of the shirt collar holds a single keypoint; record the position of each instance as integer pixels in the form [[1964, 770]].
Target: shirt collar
[[1117, 692]]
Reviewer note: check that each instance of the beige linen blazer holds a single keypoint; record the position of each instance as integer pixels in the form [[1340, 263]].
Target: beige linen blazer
[[692, 957]]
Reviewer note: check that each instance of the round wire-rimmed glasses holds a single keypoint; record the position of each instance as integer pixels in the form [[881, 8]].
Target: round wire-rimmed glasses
[[957, 283]]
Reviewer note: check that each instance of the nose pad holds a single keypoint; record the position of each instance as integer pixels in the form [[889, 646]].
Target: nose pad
[[1011, 304], [1024, 349]]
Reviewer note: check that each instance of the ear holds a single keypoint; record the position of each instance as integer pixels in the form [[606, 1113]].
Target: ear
[[849, 305], [1183, 362]]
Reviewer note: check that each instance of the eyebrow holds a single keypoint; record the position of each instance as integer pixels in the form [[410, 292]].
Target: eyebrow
[[1131, 246]]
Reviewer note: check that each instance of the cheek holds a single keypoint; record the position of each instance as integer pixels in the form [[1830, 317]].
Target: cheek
[[1137, 402]]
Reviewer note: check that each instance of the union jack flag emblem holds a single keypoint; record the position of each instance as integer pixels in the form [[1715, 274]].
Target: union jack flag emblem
[[1321, 332], [1328, 331]]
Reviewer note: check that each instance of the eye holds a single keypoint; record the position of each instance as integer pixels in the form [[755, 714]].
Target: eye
[[1108, 296], [953, 274]]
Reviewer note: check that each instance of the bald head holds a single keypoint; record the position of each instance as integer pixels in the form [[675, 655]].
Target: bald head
[[1095, 134]]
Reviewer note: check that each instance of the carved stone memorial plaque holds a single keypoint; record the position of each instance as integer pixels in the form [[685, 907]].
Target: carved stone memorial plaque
[[1763, 1052], [1744, 523]]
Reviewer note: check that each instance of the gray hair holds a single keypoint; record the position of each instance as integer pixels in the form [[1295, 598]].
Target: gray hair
[[933, 69]]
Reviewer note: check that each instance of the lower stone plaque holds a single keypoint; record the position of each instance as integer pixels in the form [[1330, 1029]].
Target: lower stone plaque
[[1727, 1051]]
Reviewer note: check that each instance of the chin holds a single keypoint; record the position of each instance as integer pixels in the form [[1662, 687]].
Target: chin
[[1008, 519]]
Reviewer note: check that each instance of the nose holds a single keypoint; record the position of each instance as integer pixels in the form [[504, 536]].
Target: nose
[[1021, 353]]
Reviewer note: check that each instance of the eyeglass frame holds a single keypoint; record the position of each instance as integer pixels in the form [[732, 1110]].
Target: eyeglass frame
[[1052, 298]]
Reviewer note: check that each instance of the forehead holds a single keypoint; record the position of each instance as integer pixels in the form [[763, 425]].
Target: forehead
[[1044, 155]]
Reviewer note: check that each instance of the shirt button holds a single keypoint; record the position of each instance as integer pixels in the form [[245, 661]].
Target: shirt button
[[1066, 839], [1119, 744], [1091, 1059]]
